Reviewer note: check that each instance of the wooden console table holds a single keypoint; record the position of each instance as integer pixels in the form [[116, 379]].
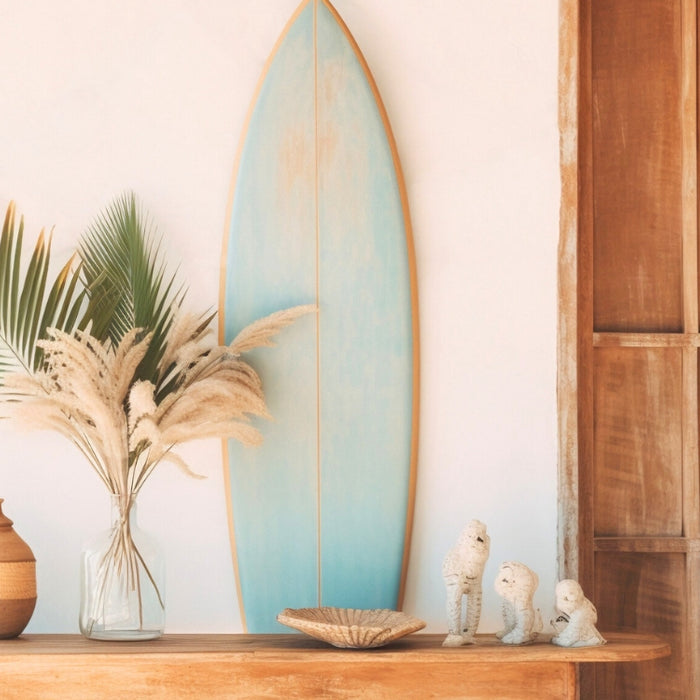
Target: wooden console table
[[43, 667]]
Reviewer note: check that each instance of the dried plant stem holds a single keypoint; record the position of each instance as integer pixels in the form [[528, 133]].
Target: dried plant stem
[[121, 565]]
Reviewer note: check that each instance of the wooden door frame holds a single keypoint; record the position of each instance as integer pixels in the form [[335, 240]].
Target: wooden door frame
[[568, 259]]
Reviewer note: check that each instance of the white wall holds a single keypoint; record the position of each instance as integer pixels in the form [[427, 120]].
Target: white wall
[[100, 96]]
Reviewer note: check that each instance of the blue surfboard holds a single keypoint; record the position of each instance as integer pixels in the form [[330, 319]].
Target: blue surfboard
[[321, 513]]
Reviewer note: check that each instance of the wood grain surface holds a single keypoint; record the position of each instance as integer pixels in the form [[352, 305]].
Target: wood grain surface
[[295, 666], [638, 441], [638, 144], [639, 590]]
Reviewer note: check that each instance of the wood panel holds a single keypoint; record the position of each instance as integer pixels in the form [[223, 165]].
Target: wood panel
[[638, 441], [637, 94], [163, 679], [643, 591]]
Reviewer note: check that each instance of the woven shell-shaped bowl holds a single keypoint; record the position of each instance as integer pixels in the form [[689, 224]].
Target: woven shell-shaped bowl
[[349, 628]]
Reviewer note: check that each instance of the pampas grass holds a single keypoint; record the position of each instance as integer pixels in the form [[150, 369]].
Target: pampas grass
[[88, 391]]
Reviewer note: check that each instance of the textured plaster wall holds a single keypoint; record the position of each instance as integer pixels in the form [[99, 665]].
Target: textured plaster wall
[[101, 96]]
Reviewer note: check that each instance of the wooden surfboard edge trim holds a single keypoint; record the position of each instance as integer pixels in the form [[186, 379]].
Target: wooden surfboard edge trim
[[222, 287], [232, 533], [413, 276], [317, 263]]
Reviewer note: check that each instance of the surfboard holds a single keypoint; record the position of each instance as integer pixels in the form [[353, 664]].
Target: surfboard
[[321, 513]]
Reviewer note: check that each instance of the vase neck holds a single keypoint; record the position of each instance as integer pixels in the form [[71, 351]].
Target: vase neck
[[123, 507], [4, 520]]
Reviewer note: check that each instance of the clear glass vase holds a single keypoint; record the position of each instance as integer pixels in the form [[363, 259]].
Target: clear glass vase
[[122, 580]]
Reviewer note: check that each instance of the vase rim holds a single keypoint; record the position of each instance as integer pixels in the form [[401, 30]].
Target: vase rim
[[4, 520]]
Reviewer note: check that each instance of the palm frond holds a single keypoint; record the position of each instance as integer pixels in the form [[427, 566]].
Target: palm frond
[[126, 279], [26, 309]]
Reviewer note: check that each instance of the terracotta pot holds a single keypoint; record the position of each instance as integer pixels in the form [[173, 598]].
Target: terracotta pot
[[17, 580]]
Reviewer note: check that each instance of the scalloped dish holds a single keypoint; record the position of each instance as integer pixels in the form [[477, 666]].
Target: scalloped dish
[[349, 628]]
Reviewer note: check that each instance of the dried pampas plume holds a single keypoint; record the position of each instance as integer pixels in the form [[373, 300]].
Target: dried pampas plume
[[260, 333], [89, 392]]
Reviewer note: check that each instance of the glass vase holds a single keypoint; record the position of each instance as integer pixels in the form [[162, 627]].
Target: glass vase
[[122, 580]]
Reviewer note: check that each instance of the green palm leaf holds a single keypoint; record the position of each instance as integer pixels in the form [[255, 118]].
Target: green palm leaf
[[26, 309], [126, 280]]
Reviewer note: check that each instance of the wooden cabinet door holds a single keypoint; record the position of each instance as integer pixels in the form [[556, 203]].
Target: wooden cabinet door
[[637, 363]]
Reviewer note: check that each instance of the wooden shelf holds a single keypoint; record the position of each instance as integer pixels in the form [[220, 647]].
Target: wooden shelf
[[646, 544], [646, 340], [288, 666]]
